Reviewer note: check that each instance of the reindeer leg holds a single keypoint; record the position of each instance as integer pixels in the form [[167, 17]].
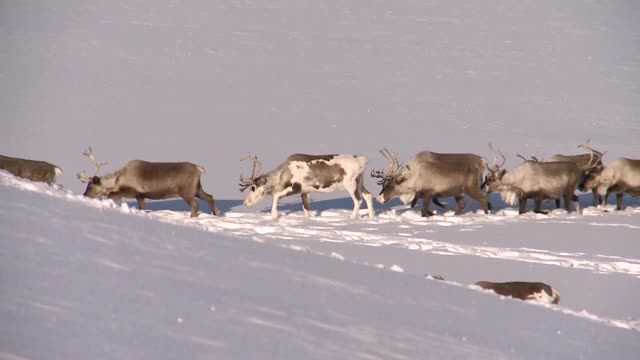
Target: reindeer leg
[[193, 203], [568, 198], [488, 202], [357, 199], [115, 196], [480, 197], [459, 204], [605, 201], [557, 203], [415, 200], [142, 205], [274, 207], [597, 198], [426, 199], [537, 206], [305, 203], [201, 194], [366, 195], [619, 201], [522, 202]]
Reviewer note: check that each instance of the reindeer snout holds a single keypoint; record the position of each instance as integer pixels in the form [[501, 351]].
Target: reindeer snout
[[380, 199]]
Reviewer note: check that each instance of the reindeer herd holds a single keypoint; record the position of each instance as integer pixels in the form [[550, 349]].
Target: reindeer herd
[[427, 176]]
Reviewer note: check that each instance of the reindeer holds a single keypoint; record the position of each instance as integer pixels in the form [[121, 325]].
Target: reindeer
[[620, 176], [462, 160], [533, 180], [422, 177], [523, 290], [528, 291], [302, 173], [33, 170], [588, 163], [149, 180]]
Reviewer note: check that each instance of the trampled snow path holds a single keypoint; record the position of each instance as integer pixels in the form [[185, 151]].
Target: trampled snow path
[[335, 226]]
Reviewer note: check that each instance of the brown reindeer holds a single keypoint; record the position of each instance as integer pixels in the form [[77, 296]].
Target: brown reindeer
[[422, 177], [523, 290], [142, 180], [33, 170], [533, 180]]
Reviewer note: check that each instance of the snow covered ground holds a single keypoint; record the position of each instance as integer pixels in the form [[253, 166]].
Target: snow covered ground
[[84, 278], [208, 81]]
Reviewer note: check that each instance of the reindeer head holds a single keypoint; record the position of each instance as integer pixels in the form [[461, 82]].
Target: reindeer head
[[94, 184], [393, 179], [256, 182], [591, 171], [494, 178]]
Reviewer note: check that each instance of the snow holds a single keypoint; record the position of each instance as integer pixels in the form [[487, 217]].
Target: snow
[[95, 279], [209, 81]]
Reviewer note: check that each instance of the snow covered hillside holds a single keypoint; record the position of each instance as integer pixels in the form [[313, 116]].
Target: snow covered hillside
[[87, 278], [208, 81]]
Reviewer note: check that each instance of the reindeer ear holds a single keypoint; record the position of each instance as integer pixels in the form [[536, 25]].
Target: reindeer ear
[[502, 172], [95, 181]]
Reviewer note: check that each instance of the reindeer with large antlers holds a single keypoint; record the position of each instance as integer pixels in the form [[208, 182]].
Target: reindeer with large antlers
[[301, 174], [533, 180], [142, 180], [462, 160], [430, 177]]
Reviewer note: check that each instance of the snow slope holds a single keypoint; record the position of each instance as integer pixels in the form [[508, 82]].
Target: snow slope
[[87, 278], [207, 81]]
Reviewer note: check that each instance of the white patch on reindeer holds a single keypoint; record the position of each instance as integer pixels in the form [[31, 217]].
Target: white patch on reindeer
[[407, 197], [543, 298], [509, 197]]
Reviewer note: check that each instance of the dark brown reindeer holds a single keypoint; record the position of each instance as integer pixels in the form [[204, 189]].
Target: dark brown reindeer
[[523, 290], [422, 177], [533, 180], [33, 170], [528, 291], [142, 180]]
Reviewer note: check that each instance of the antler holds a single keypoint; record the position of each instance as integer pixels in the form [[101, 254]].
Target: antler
[[531, 157], [596, 156], [89, 153], [248, 182], [392, 169], [496, 167]]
